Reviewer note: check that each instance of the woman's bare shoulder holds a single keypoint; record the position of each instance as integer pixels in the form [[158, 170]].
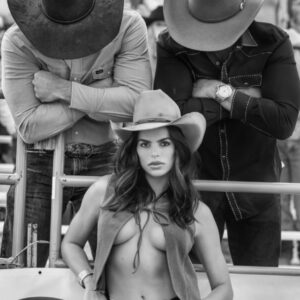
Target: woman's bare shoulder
[[204, 218], [96, 192], [203, 211]]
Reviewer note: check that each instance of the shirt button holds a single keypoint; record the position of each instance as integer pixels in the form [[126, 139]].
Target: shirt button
[[218, 63], [76, 132], [75, 78]]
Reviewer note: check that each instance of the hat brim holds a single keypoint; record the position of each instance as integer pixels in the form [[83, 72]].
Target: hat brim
[[71, 41], [194, 34], [192, 125]]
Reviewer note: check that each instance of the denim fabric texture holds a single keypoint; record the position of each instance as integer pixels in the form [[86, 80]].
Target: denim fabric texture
[[254, 241], [81, 159], [240, 144]]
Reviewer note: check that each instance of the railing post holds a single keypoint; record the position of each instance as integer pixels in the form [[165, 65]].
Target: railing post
[[56, 200], [19, 209]]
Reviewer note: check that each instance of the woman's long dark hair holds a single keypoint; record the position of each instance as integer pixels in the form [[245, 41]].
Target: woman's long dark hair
[[132, 191]]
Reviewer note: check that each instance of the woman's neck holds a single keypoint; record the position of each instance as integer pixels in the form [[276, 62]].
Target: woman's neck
[[158, 184]]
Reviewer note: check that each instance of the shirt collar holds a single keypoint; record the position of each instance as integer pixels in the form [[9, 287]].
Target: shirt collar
[[247, 40]]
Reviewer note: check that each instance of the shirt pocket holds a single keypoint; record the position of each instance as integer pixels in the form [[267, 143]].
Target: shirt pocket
[[103, 71], [245, 81], [99, 73]]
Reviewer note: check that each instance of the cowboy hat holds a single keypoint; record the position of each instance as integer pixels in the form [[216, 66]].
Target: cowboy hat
[[155, 109], [68, 29], [209, 25]]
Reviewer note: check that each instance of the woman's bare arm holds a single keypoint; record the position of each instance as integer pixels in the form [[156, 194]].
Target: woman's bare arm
[[207, 249], [80, 228]]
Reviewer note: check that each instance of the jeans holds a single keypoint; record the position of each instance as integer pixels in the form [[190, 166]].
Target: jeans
[[80, 159], [253, 241]]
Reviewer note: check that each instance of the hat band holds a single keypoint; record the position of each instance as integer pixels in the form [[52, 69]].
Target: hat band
[[206, 20], [152, 120], [61, 21]]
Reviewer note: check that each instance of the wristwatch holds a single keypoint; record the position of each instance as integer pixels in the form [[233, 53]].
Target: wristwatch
[[223, 92]]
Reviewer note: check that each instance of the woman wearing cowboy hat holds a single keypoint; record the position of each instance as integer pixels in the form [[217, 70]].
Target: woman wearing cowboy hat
[[148, 213], [241, 74]]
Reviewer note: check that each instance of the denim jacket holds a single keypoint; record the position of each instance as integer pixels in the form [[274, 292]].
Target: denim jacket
[[240, 144], [179, 243]]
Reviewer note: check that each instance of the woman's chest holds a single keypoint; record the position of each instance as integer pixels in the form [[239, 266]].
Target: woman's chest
[[143, 228]]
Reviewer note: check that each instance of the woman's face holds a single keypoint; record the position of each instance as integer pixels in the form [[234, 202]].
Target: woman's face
[[156, 152]]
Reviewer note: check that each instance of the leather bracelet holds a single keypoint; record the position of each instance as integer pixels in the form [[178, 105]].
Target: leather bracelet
[[82, 275]]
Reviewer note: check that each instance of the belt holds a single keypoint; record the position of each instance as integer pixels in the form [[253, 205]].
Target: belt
[[79, 150]]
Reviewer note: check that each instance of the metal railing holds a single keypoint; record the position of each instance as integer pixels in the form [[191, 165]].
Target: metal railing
[[18, 178], [60, 180]]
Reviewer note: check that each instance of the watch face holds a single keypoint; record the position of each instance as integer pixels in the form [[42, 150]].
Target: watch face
[[225, 91]]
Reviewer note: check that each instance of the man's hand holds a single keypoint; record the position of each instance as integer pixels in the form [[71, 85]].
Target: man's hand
[[205, 88], [49, 87]]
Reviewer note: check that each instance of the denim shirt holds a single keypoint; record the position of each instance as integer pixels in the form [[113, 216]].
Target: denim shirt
[[179, 243], [240, 144]]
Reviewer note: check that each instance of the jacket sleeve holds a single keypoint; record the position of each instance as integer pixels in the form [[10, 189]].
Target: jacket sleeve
[[35, 121], [131, 75], [275, 113], [176, 79]]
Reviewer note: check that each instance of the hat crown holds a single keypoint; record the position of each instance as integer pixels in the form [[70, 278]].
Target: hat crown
[[213, 11], [67, 11], [155, 106]]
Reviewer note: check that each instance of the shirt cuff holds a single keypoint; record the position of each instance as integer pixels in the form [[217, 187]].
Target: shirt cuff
[[240, 104]]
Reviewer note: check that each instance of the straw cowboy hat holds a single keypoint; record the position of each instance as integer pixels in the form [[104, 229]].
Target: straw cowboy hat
[[209, 25], [155, 109], [68, 29]]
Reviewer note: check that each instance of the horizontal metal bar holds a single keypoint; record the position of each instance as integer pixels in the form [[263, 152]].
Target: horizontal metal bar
[[7, 168], [78, 181], [209, 185], [286, 235], [9, 178], [280, 271], [248, 186], [5, 139]]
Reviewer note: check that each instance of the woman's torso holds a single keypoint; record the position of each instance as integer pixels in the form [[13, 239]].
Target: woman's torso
[[137, 266]]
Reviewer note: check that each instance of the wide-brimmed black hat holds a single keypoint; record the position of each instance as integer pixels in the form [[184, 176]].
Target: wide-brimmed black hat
[[68, 29]]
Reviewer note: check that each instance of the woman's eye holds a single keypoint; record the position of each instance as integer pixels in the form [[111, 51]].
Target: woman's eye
[[144, 144], [165, 143]]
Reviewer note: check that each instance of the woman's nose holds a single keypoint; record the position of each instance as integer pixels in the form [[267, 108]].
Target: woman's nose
[[155, 152]]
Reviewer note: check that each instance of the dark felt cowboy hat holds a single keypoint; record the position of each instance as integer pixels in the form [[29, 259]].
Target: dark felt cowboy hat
[[155, 109], [68, 29], [209, 25]]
